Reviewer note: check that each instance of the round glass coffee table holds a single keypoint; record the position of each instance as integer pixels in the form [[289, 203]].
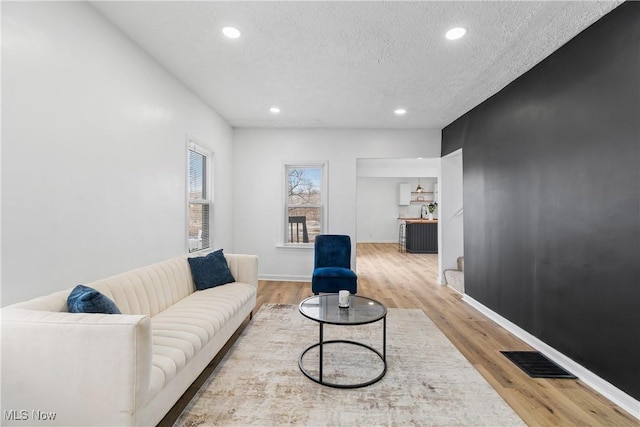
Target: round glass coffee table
[[324, 309]]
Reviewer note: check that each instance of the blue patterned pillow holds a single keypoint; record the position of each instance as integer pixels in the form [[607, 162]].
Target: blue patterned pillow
[[211, 270], [84, 299]]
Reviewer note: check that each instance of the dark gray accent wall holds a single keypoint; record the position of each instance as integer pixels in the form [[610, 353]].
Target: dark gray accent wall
[[552, 199]]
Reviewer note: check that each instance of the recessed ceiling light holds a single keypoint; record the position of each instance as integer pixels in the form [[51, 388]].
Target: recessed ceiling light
[[456, 33], [400, 111], [232, 33], [274, 110]]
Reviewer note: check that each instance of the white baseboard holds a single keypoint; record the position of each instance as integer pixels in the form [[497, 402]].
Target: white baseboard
[[284, 278], [454, 289], [605, 388]]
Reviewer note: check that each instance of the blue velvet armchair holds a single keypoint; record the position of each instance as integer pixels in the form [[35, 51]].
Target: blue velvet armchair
[[332, 265]]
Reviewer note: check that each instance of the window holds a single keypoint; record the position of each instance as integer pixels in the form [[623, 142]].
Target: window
[[199, 197], [305, 203]]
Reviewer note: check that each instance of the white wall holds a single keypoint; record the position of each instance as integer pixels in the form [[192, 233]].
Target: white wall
[[259, 182], [396, 167], [93, 152], [451, 220], [377, 209]]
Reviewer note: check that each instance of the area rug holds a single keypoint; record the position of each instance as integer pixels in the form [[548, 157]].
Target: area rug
[[428, 381]]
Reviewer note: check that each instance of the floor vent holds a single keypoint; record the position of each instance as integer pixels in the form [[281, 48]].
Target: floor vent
[[536, 365]]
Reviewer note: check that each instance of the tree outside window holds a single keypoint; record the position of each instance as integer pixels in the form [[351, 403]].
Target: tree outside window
[[305, 203]]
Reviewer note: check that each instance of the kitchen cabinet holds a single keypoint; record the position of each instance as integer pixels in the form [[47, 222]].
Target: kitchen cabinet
[[421, 236]]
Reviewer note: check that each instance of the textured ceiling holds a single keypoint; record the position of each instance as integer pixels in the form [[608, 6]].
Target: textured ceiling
[[349, 64]]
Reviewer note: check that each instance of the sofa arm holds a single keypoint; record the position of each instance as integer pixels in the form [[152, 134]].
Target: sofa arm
[[244, 268], [77, 369]]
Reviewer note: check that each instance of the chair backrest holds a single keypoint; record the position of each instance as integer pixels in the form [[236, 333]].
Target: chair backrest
[[332, 250]]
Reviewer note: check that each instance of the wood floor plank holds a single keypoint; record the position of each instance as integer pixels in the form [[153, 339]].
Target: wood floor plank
[[403, 280]]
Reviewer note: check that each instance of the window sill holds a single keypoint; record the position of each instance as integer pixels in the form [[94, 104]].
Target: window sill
[[199, 251], [295, 246]]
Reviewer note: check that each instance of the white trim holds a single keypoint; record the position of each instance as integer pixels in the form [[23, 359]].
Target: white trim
[[296, 246], [605, 388], [442, 235], [456, 152], [285, 278], [462, 294]]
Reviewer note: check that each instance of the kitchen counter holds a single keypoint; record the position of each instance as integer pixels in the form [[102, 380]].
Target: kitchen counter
[[418, 220], [421, 235]]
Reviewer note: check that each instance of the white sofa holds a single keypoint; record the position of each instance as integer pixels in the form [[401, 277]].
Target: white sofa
[[119, 370]]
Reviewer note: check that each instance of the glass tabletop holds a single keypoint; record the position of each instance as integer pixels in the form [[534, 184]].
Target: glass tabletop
[[325, 309]]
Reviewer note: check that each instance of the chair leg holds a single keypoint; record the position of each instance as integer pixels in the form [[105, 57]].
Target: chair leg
[[402, 237]]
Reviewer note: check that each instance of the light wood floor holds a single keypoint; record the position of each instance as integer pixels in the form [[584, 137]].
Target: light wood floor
[[401, 280]]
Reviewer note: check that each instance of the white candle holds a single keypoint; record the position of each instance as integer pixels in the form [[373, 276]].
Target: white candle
[[343, 298]]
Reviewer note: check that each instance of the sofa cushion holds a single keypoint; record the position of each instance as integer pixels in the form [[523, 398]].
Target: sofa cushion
[[84, 299], [211, 270], [184, 329]]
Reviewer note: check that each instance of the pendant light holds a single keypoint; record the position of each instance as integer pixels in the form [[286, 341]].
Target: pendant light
[[419, 188]]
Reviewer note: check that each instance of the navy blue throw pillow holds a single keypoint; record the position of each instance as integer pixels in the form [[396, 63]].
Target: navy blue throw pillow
[[84, 299], [210, 271]]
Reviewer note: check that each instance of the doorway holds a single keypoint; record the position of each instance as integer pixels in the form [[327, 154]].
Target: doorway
[[378, 187], [452, 214]]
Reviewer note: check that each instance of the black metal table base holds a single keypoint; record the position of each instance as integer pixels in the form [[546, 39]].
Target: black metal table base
[[321, 343]]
